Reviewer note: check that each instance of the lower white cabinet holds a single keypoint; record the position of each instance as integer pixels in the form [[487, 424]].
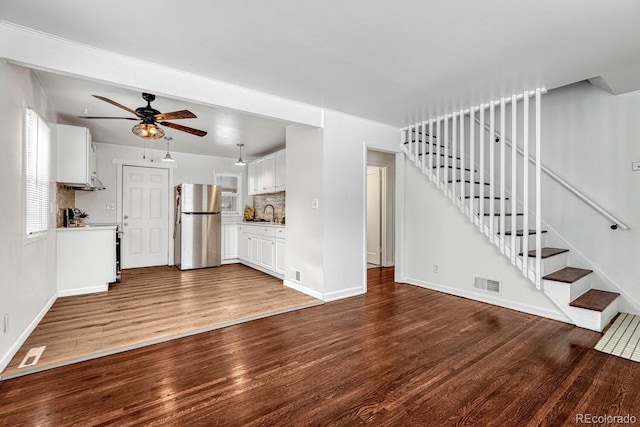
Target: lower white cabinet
[[230, 251], [279, 266], [262, 247], [86, 259]]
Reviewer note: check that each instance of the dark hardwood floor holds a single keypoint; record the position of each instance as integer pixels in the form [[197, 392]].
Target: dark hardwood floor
[[400, 355]]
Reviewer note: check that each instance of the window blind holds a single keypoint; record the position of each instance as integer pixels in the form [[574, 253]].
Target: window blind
[[37, 165]]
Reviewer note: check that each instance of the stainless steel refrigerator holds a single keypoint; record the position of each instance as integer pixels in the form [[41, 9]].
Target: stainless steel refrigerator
[[198, 226]]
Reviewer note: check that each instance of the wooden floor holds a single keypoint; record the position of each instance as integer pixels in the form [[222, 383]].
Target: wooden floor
[[153, 305], [399, 355]]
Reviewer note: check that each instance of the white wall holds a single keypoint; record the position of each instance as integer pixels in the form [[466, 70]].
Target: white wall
[[28, 284], [192, 168], [346, 139], [437, 233], [590, 138], [304, 224]]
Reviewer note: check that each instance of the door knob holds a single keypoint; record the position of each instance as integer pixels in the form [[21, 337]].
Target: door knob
[[126, 223], [126, 217]]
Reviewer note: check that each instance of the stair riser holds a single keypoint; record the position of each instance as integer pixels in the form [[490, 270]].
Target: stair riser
[[551, 264], [531, 242], [507, 222], [591, 319], [569, 291]]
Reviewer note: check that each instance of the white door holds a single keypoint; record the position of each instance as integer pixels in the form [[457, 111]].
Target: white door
[[373, 215], [145, 216]]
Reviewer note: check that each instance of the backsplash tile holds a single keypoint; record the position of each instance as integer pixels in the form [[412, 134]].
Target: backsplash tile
[[275, 199], [65, 198]]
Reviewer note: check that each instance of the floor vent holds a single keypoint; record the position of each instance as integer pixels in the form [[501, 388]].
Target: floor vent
[[32, 357], [296, 275], [487, 285]]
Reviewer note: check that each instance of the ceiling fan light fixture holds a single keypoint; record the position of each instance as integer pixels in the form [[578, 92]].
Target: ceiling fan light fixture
[[147, 131], [240, 161]]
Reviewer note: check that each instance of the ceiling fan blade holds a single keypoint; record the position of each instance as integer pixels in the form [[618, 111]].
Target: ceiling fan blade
[[122, 118], [183, 128], [182, 114], [115, 103]]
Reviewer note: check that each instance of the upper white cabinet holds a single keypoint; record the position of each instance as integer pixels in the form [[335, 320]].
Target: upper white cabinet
[[76, 155], [267, 174], [281, 170]]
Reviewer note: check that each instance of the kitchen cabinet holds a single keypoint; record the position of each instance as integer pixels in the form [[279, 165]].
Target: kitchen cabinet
[[267, 174], [267, 253], [262, 247], [279, 264], [86, 259], [229, 243], [280, 170], [76, 156]]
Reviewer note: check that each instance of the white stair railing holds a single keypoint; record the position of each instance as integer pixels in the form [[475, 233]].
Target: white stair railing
[[438, 146]]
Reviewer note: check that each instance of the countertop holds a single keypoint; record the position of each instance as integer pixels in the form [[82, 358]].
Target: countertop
[[89, 227], [263, 224]]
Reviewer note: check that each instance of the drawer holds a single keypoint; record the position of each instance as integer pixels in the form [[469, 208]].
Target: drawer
[[258, 230], [280, 233]]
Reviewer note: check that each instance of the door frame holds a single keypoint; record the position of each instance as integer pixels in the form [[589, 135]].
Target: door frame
[[120, 163]]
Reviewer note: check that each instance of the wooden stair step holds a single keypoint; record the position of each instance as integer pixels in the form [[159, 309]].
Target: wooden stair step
[[595, 299], [441, 155], [486, 197], [568, 275], [469, 182], [546, 252], [506, 214], [450, 167], [520, 233]]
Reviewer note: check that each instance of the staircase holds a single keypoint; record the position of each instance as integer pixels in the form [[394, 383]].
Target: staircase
[[489, 178]]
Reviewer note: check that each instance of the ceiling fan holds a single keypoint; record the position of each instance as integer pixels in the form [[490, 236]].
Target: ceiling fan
[[150, 118]]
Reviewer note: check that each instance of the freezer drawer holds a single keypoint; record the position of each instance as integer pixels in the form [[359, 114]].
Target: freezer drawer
[[198, 244]]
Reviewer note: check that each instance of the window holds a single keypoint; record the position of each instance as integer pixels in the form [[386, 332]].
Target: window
[[231, 185], [36, 166]]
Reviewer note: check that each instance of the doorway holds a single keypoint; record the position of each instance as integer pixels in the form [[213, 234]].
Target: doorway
[[145, 216], [374, 216], [380, 208]]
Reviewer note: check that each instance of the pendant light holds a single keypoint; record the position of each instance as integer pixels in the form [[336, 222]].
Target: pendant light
[[167, 157], [240, 161]]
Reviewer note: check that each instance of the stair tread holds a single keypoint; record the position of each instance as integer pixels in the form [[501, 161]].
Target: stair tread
[[486, 197], [546, 252], [451, 167], [568, 275], [506, 214], [595, 299], [469, 182], [521, 232]]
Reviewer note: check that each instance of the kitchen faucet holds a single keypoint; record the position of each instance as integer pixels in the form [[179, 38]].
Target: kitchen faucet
[[273, 212]]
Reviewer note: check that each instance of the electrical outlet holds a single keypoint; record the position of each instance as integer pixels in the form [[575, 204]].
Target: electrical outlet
[[435, 268], [314, 203], [5, 327], [110, 206], [635, 166]]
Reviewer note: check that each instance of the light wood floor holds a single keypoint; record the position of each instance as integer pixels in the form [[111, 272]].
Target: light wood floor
[[398, 356], [152, 305]]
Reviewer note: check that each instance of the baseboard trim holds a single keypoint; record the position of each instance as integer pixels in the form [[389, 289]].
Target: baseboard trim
[[511, 305], [82, 291], [11, 352], [264, 270], [298, 287], [344, 293], [230, 261]]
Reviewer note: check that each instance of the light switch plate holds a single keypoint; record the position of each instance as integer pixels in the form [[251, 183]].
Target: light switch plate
[[635, 166], [314, 203]]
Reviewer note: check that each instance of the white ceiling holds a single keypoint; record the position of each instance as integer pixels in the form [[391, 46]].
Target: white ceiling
[[386, 61]]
